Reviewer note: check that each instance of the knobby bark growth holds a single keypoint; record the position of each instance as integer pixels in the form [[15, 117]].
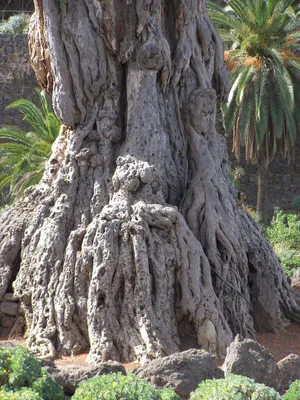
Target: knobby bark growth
[[133, 244]]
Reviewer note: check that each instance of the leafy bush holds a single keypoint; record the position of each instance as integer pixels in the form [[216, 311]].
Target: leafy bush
[[236, 175], [15, 24], [294, 392], [22, 377], [119, 387], [290, 260], [233, 387], [284, 228], [284, 235], [21, 394]]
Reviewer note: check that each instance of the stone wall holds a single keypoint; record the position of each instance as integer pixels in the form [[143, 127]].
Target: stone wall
[[10, 7], [17, 78], [17, 81], [11, 320], [284, 182]]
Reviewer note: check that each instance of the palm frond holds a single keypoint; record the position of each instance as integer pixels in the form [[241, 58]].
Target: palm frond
[[53, 126], [263, 42], [4, 181], [31, 114], [23, 154], [244, 13], [11, 134]]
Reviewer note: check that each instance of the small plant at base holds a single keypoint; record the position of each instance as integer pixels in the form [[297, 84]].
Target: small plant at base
[[22, 377], [22, 394], [289, 259], [233, 387], [284, 228], [294, 392], [284, 235], [236, 175], [119, 387]]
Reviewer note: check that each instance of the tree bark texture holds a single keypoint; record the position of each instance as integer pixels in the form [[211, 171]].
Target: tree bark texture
[[133, 243]]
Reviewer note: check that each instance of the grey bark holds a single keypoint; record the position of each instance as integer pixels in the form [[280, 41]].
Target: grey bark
[[133, 241]]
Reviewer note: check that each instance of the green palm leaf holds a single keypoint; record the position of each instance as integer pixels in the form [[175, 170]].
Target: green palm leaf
[[262, 38], [23, 154], [31, 114]]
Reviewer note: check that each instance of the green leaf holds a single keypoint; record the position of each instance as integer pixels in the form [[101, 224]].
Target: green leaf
[[264, 68], [23, 154]]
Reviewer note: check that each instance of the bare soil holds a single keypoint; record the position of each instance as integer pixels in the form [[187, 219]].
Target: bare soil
[[279, 344]]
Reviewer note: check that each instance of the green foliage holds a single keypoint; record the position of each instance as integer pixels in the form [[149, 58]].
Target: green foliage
[[16, 24], [21, 394], [63, 3], [284, 235], [236, 175], [119, 387], [233, 387], [294, 392], [47, 387], [289, 259], [262, 38], [23, 154], [22, 377], [24, 368], [284, 228]]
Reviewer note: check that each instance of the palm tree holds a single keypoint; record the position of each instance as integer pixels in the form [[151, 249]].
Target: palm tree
[[261, 38], [23, 154]]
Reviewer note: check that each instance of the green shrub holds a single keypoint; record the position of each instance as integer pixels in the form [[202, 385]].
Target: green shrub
[[236, 175], [119, 387], [284, 235], [22, 377], [15, 24], [233, 387], [294, 392], [290, 260], [24, 368], [284, 228], [21, 394]]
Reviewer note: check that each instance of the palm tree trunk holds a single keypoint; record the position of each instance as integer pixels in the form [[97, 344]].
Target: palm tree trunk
[[262, 192]]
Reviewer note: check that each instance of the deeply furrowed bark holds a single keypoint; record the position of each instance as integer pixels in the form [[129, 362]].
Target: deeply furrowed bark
[[133, 241]]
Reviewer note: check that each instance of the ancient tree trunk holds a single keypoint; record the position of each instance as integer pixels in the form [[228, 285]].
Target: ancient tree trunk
[[133, 244], [262, 192]]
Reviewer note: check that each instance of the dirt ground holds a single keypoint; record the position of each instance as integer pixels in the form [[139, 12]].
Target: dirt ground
[[279, 344]]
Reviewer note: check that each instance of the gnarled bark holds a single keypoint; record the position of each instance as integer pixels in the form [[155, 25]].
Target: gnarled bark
[[134, 241]]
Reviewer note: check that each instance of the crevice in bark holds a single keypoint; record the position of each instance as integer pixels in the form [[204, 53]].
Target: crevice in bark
[[14, 273], [188, 334]]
